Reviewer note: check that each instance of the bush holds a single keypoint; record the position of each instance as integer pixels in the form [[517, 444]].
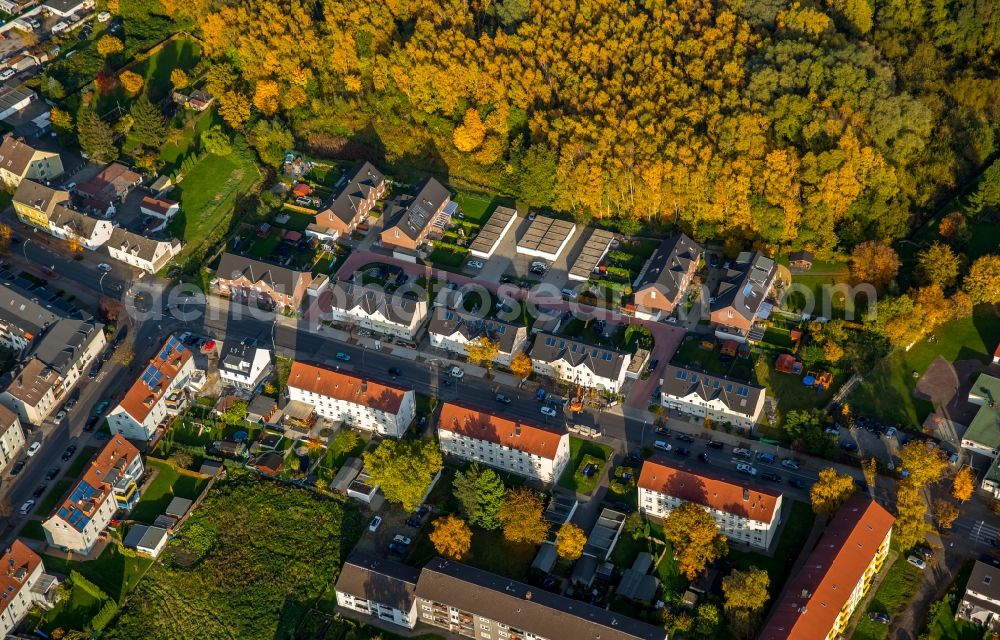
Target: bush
[[83, 583], [104, 616]]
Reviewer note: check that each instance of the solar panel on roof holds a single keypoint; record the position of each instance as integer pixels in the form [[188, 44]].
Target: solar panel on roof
[[747, 289], [682, 375]]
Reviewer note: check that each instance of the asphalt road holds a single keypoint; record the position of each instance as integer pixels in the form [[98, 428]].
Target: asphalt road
[[46, 262]]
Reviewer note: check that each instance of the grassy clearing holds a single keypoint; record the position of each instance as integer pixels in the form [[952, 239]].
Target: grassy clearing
[[476, 207], [32, 530], [579, 452], [778, 566], [888, 390], [80, 462], [114, 572], [690, 354], [173, 152], [792, 395], [168, 483], [55, 495], [75, 612], [446, 258], [896, 589]]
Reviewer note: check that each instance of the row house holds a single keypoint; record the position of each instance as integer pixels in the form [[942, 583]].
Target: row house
[[23, 320], [69, 347], [380, 588], [410, 219], [34, 203], [453, 330], [744, 514], [68, 224], [111, 483], [741, 296], [821, 598], [580, 363], [360, 403], [250, 281], [159, 392], [20, 161], [141, 252], [351, 205], [32, 392], [374, 309], [661, 286], [24, 585], [720, 399], [11, 437], [511, 445]]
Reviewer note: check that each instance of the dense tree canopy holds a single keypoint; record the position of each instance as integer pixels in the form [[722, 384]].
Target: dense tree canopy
[[800, 125]]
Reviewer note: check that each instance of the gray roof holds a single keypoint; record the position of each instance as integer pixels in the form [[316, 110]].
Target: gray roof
[[446, 322], [12, 96], [347, 473], [603, 361], [668, 266], [397, 308], [281, 279], [738, 396], [413, 215], [38, 196], [237, 356], [546, 557], [493, 231], [636, 584], [81, 224], [15, 155], [383, 581], [546, 234], [65, 342], [139, 246], [27, 314], [178, 507], [64, 6], [139, 535], [745, 285], [593, 251], [985, 581], [365, 180], [524, 607], [261, 405]]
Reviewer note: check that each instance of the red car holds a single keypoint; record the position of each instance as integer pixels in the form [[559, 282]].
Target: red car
[[208, 346]]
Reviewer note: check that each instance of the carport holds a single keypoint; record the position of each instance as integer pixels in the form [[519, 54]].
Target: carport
[[604, 535], [593, 252], [546, 238], [493, 232]]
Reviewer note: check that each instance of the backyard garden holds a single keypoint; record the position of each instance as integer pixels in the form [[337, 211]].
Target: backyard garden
[[587, 463]]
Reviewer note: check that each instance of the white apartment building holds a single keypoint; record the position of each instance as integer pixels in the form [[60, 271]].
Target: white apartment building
[[141, 252], [360, 403], [11, 437], [380, 588], [111, 483], [722, 400], [454, 330], [69, 347], [31, 394], [580, 363], [374, 309], [159, 392], [529, 450], [91, 233], [243, 365], [23, 319], [748, 515], [24, 584]]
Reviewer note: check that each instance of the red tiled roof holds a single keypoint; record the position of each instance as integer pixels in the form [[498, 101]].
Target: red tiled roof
[[344, 386], [997, 352], [815, 596], [16, 564], [157, 204], [112, 455], [709, 490], [141, 397], [523, 436]]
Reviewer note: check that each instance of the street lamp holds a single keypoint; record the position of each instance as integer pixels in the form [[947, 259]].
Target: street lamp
[[100, 281], [24, 248]]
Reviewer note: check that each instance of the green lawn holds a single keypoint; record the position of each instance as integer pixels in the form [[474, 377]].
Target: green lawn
[[264, 247], [114, 572], [690, 354], [810, 292], [895, 591], [446, 258], [33, 530], [75, 612], [476, 206], [172, 153], [778, 566], [80, 462], [208, 196], [181, 52], [792, 395], [579, 451], [55, 494], [942, 625], [168, 483], [888, 390]]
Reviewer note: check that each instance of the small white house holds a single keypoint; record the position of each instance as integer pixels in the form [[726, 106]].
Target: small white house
[[243, 365]]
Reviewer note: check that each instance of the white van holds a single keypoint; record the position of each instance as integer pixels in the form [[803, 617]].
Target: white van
[[662, 445]]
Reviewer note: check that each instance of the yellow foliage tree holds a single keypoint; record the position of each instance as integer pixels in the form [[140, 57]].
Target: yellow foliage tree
[[234, 109], [451, 536], [179, 78], [982, 283], [945, 513], [745, 596], [521, 365], [963, 484], [482, 351], [521, 517], [73, 244], [469, 135], [952, 225], [911, 511], [695, 537], [922, 463], [938, 264], [109, 45], [832, 352], [5, 236], [61, 120], [870, 468], [265, 97], [132, 82], [875, 263], [570, 541], [830, 492]]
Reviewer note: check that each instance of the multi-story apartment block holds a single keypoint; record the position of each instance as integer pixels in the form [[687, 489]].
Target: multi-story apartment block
[[11, 437], [580, 363], [511, 445], [34, 203], [23, 585], [351, 205], [453, 330], [250, 281], [410, 219], [243, 364], [720, 399], [32, 393], [744, 514], [981, 602], [374, 309], [741, 295], [19, 161], [69, 347], [109, 485], [23, 320], [820, 599], [472, 603], [158, 393], [360, 403], [383, 589], [660, 288], [69, 224]]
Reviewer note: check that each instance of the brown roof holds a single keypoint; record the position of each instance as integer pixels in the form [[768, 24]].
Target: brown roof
[[16, 564], [347, 387], [33, 382], [15, 155], [815, 596], [38, 196], [385, 581], [114, 180], [95, 486], [709, 490], [157, 204], [522, 436], [156, 378], [7, 419]]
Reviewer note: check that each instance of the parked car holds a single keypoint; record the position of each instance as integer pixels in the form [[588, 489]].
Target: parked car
[[52, 473], [104, 266], [924, 552], [401, 539], [375, 524], [33, 449], [94, 370], [742, 453], [715, 445], [91, 423], [682, 452], [457, 372], [798, 484], [916, 562], [26, 507], [662, 431], [395, 371], [745, 468], [662, 445], [397, 549], [549, 411], [879, 616], [60, 416], [890, 432], [16, 469], [68, 453], [848, 446], [474, 264], [103, 16], [770, 477], [7, 73], [653, 364], [569, 293], [788, 463], [39, 490], [833, 431], [502, 398], [343, 357], [101, 407], [765, 457], [683, 437], [413, 522]]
